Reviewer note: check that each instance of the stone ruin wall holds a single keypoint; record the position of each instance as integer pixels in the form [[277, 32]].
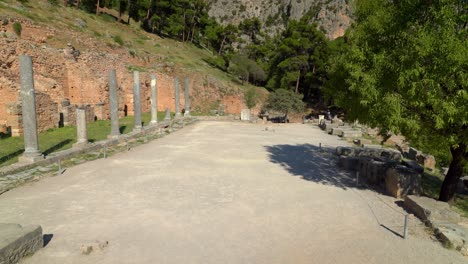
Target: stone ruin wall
[[62, 83]]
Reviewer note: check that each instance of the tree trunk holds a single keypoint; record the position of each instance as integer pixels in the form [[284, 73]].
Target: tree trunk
[[120, 13], [148, 14], [193, 33], [449, 186], [222, 45], [297, 82], [78, 3], [65, 3], [192, 24], [97, 7], [185, 29]]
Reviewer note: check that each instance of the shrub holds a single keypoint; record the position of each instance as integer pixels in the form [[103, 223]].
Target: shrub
[[118, 40], [250, 97], [17, 28]]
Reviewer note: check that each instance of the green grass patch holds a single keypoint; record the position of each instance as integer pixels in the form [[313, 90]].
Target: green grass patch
[[57, 139], [118, 40], [431, 185]]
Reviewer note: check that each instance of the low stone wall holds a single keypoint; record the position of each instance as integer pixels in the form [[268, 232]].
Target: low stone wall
[[19, 173], [218, 118], [383, 168]]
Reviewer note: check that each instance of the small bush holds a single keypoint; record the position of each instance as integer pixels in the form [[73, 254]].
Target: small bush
[[108, 18], [17, 28], [53, 2], [118, 40], [250, 97]]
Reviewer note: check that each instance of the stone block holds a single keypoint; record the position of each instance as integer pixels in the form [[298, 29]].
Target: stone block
[[412, 153], [345, 151], [363, 168], [349, 163], [362, 142], [391, 155], [430, 210], [429, 162], [376, 172], [17, 242], [329, 127], [337, 131], [401, 181], [337, 121], [369, 145], [462, 186], [413, 165], [352, 133], [452, 234], [323, 123], [245, 115]]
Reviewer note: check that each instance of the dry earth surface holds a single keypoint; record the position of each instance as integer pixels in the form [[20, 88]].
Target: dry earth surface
[[219, 192]]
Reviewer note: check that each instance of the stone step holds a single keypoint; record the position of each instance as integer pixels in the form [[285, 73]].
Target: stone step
[[17, 242], [351, 134]]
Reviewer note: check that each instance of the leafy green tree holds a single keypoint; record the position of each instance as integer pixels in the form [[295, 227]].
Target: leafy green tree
[[250, 97], [221, 37], [251, 27], [246, 69], [298, 62], [406, 71], [285, 101]]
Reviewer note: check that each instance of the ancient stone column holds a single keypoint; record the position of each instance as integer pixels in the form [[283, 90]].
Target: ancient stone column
[[114, 104], [136, 101], [177, 98], [81, 131], [28, 101], [154, 101], [187, 97], [168, 115]]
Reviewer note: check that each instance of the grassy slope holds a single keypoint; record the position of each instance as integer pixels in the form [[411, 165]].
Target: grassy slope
[[105, 29]]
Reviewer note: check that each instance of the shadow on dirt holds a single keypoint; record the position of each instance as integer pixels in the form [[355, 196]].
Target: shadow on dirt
[[311, 163]]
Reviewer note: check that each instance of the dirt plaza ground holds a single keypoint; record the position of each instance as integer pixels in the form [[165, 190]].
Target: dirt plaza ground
[[220, 192]]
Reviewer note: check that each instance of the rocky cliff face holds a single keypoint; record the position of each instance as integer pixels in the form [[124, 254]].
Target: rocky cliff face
[[333, 16]]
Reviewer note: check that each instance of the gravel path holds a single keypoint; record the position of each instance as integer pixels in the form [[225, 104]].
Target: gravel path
[[219, 192]]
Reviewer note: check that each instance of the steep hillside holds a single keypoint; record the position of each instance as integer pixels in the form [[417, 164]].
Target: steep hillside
[[62, 80], [333, 16]]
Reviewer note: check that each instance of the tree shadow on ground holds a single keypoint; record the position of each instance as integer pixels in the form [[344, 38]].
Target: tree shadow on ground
[[11, 156], [57, 147], [311, 163]]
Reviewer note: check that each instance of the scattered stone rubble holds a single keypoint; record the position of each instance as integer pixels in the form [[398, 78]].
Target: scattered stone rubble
[[383, 168], [339, 128]]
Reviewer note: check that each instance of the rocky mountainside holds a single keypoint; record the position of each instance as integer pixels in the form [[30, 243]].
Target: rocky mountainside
[[333, 16]]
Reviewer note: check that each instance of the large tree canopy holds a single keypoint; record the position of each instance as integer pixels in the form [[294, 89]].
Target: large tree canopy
[[406, 71]]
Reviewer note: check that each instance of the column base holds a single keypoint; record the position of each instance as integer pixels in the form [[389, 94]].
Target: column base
[[187, 114], [137, 129], [153, 122], [113, 136], [177, 115], [31, 157], [80, 145]]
